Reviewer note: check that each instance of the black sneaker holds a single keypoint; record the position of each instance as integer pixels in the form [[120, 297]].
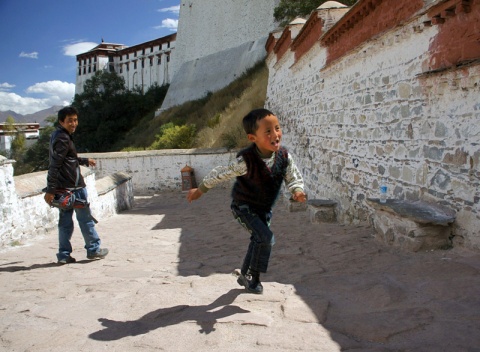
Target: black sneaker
[[67, 260], [102, 253], [250, 286]]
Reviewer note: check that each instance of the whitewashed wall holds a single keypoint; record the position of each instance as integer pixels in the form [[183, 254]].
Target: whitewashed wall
[[207, 27], [376, 106], [217, 41], [25, 215], [159, 170]]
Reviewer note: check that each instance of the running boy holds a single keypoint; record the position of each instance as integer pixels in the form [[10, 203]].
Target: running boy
[[259, 170]]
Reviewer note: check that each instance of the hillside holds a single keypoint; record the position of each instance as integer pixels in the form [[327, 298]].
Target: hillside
[[38, 116], [217, 117]]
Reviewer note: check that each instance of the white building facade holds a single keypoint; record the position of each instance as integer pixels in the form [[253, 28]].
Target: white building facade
[[141, 65]]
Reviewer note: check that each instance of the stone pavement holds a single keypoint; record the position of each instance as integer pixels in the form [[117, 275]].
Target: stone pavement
[[167, 285]]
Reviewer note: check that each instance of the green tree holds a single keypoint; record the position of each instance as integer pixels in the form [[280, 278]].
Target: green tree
[[35, 158], [10, 123], [107, 110], [287, 10], [18, 147], [18, 140]]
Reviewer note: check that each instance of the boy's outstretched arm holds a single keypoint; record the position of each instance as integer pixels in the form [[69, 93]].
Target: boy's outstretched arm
[[194, 194]]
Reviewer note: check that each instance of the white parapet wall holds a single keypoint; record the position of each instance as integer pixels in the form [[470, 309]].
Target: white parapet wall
[[159, 170], [111, 186], [25, 215]]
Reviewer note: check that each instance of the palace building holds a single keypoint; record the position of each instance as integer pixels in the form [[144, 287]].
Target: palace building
[[141, 65]]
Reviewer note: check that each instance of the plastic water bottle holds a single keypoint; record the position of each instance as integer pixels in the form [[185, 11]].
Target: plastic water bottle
[[383, 190]]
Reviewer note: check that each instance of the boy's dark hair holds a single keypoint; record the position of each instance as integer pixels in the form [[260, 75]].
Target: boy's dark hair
[[66, 111], [250, 120]]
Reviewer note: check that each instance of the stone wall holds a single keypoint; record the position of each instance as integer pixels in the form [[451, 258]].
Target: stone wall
[[207, 27], [387, 106], [111, 186], [217, 41], [159, 170], [25, 215]]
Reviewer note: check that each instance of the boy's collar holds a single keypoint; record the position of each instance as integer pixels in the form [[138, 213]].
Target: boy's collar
[[263, 156]]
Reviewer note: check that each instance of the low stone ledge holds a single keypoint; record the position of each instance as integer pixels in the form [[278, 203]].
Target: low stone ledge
[[322, 210], [115, 194], [294, 206], [412, 225], [107, 183]]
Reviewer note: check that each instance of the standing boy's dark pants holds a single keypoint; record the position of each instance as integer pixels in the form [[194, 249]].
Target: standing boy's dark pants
[[257, 224]]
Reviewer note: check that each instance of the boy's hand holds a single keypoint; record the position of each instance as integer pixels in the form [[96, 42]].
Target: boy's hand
[[48, 198], [194, 194], [299, 197]]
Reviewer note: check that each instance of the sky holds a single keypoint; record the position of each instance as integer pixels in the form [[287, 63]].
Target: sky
[[39, 41]]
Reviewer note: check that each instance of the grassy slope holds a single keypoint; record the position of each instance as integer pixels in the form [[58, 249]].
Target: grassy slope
[[217, 116]]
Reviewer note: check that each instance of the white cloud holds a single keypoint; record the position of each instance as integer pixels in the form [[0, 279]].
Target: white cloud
[[172, 9], [54, 93], [168, 23], [32, 55], [6, 86], [78, 48]]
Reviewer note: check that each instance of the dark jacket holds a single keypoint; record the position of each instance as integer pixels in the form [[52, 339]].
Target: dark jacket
[[64, 163], [260, 186]]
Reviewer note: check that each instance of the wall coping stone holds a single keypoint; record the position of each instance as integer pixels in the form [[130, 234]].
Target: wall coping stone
[[110, 182], [32, 184], [322, 202], [147, 153], [418, 211]]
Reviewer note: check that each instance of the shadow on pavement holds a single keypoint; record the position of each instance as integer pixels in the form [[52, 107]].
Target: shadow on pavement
[[203, 315], [369, 296]]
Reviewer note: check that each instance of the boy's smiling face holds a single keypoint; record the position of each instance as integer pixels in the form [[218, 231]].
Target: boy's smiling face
[[268, 135]]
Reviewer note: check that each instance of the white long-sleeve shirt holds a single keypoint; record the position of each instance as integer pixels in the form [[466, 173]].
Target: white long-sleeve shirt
[[293, 178]]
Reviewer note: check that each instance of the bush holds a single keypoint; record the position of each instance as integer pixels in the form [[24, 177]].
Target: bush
[[175, 137]]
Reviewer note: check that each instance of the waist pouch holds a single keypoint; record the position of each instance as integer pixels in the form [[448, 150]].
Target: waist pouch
[[66, 200]]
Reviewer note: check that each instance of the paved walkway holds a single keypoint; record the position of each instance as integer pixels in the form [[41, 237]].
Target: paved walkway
[[167, 285]]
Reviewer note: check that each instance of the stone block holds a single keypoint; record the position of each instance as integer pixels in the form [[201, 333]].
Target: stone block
[[294, 206], [322, 211], [412, 226]]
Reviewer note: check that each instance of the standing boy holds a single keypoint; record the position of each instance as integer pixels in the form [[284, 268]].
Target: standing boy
[[259, 170], [64, 173]]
